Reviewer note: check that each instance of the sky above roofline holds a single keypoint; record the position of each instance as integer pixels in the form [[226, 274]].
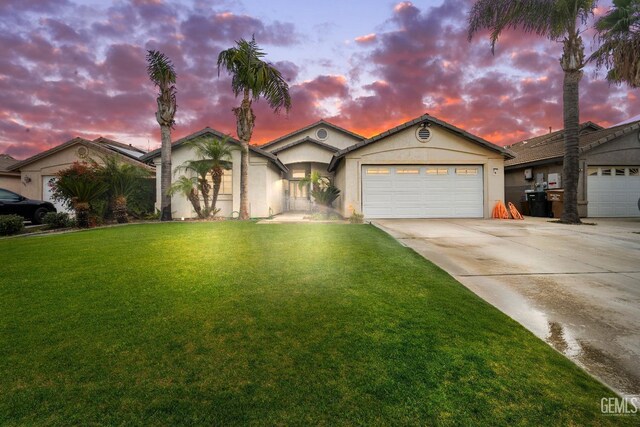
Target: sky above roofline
[[77, 68]]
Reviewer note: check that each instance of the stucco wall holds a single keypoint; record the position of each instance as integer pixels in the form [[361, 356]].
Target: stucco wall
[[11, 183], [335, 138], [404, 148], [305, 152]]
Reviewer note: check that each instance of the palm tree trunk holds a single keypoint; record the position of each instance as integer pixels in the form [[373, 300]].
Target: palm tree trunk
[[165, 178], [245, 119], [572, 62], [204, 189], [195, 202], [217, 180]]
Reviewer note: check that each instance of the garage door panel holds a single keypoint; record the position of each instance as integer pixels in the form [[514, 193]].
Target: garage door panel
[[434, 192], [613, 195]]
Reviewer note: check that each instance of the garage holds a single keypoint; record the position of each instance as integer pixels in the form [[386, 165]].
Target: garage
[[422, 191], [613, 191]]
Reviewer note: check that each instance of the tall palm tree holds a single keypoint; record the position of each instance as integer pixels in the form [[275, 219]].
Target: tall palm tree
[[557, 20], [162, 74], [217, 155], [619, 37], [253, 78]]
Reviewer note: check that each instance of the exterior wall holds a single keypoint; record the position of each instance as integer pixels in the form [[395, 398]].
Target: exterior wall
[[335, 138], [11, 182], [340, 182], [624, 151], [404, 148], [306, 152]]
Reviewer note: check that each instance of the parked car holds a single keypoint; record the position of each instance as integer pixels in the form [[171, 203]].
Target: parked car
[[31, 210]]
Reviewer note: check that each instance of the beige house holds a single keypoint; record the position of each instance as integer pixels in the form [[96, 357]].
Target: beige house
[[424, 168], [37, 172]]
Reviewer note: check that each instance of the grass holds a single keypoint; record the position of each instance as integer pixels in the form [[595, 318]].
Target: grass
[[238, 323]]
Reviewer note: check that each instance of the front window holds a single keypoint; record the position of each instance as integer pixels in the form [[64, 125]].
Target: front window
[[226, 186], [298, 174]]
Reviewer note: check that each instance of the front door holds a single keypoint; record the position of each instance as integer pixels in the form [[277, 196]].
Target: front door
[[298, 196]]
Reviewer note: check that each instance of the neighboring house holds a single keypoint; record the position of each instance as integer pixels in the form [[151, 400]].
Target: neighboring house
[[9, 180], [37, 172], [609, 182], [424, 168]]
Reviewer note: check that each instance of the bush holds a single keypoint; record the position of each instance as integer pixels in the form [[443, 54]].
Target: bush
[[58, 220], [11, 224], [356, 218]]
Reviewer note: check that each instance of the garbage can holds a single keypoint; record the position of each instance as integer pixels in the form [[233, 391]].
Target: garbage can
[[556, 197], [538, 203]]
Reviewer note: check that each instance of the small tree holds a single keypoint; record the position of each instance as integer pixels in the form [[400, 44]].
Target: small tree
[[324, 193], [216, 154], [188, 188], [201, 168], [78, 187], [122, 180]]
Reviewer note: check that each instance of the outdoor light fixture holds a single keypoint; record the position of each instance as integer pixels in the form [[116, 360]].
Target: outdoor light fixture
[[26, 180], [495, 171]]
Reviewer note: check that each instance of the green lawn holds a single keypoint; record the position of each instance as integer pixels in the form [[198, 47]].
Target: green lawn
[[236, 323]]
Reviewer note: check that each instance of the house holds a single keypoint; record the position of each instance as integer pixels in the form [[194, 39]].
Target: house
[[424, 168], [36, 172], [9, 180], [609, 183]]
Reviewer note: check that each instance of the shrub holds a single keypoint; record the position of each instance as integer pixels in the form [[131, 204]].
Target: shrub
[[11, 224], [55, 220], [356, 218]]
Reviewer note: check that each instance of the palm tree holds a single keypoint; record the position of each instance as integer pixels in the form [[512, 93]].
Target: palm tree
[[557, 20], [122, 180], [201, 168], [188, 188], [253, 78], [217, 155], [619, 37], [162, 74]]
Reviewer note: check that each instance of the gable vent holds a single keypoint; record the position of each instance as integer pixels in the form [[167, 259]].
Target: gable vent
[[423, 134], [322, 134]]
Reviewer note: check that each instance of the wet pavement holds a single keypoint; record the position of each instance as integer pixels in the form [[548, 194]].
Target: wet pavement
[[576, 287]]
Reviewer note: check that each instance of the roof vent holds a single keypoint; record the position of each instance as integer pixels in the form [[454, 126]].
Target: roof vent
[[322, 134], [423, 133]]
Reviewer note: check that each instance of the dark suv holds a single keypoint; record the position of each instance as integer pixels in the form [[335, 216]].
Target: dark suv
[[31, 210]]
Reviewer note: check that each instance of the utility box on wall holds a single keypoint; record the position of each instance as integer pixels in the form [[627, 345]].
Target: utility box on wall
[[554, 181]]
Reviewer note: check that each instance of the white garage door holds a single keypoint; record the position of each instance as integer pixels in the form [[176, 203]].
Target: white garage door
[[47, 193], [454, 191], [613, 191]]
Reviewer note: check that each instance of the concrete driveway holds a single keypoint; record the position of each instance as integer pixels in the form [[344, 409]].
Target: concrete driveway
[[576, 287]]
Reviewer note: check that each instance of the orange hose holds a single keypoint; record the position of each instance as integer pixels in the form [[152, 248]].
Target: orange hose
[[514, 212], [500, 211]]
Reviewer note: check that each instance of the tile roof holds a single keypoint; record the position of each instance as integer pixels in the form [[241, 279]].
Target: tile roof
[[425, 118], [92, 144], [551, 146], [319, 122], [303, 140], [210, 131], [6, 161]]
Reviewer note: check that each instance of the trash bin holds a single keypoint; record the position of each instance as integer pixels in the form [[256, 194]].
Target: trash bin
[[556, 197], [538, 203]]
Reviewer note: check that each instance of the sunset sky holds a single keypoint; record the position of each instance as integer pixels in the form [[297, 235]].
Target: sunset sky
[[77, 68]]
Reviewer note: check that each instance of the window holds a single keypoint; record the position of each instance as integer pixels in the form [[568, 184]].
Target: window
[[619, 171], [466, 171], [297, 191], [407, 171], [226, 186], [377, 171], [592, 171], [606, 172], [633, 172], [298, 174], [8, 195], [437, 171]]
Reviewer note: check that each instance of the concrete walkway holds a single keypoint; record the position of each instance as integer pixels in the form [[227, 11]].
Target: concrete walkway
[[576, 287]]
